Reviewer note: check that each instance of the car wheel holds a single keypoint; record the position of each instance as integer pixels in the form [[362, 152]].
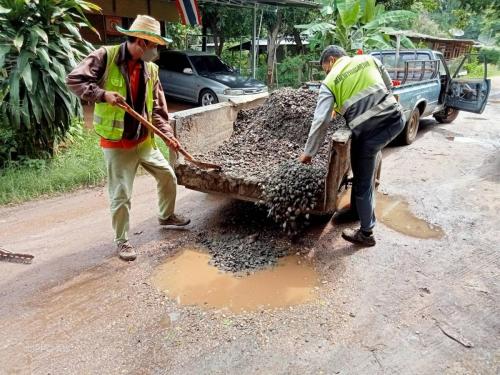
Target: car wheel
[[207, 97], [410, 130], [446, 116]]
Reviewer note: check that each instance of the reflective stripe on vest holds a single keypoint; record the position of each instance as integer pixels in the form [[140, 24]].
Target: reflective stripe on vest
[[358, 88], [108, 119]]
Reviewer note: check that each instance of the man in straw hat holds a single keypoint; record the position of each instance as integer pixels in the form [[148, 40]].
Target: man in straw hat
[[125, 73]]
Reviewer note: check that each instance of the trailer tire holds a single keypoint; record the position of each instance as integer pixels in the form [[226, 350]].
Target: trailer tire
[[409, 133], [446, 116]]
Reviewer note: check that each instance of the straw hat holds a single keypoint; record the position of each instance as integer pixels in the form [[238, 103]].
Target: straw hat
[[145, 27]]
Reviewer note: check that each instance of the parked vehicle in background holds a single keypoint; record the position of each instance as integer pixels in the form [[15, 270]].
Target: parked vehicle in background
[[424, 86], [203, 78]]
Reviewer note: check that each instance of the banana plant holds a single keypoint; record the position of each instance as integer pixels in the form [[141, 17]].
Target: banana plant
[[40, 43], [355, 24]]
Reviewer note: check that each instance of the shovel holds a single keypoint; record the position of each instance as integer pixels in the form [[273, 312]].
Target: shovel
[[170, 141]]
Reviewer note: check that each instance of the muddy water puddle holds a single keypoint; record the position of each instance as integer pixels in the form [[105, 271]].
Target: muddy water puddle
[[395, 212], [191, 280]]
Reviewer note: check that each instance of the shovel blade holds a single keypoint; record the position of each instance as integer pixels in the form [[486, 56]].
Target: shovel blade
[[204, 165]]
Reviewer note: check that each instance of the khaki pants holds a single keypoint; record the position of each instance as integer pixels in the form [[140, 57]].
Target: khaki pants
[[121, 165]]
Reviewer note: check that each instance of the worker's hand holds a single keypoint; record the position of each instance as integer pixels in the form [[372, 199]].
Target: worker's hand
[[173, 143], [305, 159], [114, 98]]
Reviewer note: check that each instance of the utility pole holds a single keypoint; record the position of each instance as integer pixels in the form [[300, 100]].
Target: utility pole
[[254, 42]]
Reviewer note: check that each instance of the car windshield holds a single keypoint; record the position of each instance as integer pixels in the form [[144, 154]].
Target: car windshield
[[209, 64]]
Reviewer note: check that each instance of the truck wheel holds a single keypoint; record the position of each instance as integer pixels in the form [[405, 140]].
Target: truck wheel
[[446, 116], [207, 97], [410, 130]]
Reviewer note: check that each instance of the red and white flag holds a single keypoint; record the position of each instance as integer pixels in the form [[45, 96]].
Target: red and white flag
[[189, 12]]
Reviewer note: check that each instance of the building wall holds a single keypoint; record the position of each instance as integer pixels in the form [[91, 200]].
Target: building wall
[[163, 10]]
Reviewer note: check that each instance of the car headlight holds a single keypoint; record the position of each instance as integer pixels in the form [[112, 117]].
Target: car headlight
[[233, 92]]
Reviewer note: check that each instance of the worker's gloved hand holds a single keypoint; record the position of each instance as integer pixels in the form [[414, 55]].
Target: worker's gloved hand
[[305, 159], [114, 98]]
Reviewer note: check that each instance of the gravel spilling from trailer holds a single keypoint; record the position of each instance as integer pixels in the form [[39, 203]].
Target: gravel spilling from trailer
[[265, 147], [291, 192]]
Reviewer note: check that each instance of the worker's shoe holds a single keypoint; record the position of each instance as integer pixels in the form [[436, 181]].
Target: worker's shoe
[[346, 215], [176, 220], [126, 251], [358, 237]]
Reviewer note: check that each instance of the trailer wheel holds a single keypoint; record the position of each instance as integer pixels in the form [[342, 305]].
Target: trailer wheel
[[446, 116], [409, 133]]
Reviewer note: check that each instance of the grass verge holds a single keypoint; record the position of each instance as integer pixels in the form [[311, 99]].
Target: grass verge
[[80, 165]]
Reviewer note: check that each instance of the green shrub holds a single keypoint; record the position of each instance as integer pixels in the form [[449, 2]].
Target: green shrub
[[291, 71], [491, 54], [8, 145], [40, 43]]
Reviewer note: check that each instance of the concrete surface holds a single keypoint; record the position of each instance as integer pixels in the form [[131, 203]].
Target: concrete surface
[[406, 306]]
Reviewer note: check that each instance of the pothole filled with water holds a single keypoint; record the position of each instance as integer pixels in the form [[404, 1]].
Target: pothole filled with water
[[394, 212], [189, 279]]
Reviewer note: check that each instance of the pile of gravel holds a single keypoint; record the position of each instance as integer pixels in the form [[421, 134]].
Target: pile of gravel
[[245, 240], [266, 136], [242, 254], [291, 192]]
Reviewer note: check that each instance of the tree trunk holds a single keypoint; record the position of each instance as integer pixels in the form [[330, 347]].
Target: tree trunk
[[217, 35], [222, 40], [298, 42], [272, 46], [204, 33]]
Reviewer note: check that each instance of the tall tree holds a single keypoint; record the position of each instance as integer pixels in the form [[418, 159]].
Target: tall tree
[[280, 23], [225, 23]]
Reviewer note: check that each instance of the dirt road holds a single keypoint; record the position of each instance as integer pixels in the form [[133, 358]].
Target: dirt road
[[406, 306]]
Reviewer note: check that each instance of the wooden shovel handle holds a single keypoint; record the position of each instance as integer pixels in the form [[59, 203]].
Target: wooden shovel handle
[[170, 141]]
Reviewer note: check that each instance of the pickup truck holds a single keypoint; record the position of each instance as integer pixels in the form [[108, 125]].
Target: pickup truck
[[424, 86]]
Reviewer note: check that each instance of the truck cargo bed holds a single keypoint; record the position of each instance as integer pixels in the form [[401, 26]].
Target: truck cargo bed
[[205, 129]]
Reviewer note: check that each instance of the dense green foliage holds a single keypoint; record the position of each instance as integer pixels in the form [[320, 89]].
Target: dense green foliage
[[491, 55], [40, 43], [225, 23], [355, 24], [472, 19]]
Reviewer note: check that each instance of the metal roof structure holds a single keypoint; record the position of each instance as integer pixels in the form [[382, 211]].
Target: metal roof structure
[[253, 3], [414, 35]]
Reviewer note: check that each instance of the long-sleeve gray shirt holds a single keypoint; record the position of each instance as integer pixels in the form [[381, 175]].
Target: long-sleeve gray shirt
[[323, 114]]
